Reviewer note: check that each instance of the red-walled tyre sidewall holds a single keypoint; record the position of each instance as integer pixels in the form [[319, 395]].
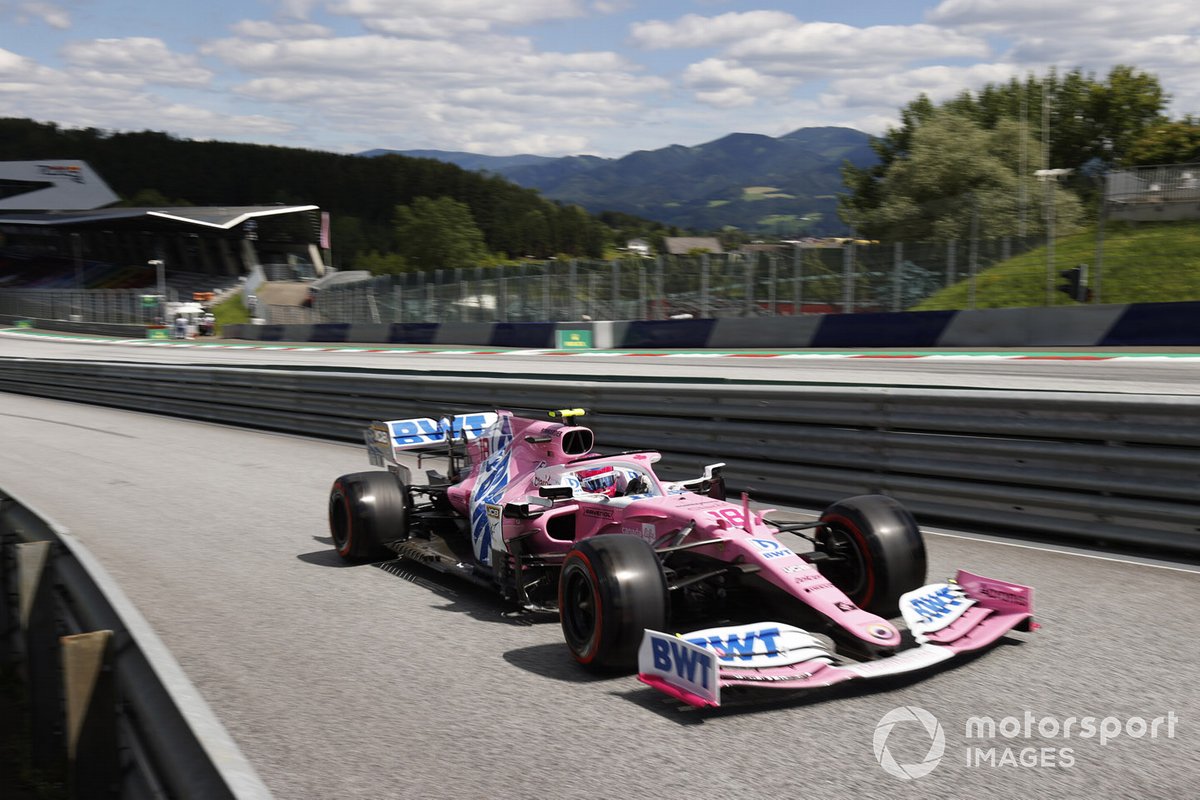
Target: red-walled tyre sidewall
[[610, 591], [367, 510], [888, 543]]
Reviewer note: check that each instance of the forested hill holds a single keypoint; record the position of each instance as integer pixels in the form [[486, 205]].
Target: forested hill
[[152, 168], [786, 184]]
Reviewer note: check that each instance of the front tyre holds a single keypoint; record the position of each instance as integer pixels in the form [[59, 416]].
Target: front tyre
[[367, 509], [610, 590], [874, 551]]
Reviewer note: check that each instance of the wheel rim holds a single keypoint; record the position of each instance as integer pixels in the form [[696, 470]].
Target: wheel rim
[[339, 521], [579, 612], [845, 567]]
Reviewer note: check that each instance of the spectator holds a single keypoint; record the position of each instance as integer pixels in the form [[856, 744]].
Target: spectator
[[181, 326]]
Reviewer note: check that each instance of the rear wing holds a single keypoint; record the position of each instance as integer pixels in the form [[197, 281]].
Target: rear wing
[[386, 440]]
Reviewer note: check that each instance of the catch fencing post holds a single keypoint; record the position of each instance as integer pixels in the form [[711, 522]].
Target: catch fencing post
[[704, 286], [848, 278], [660, 287], [616, 289], [750, 262], [798, 278], [571, 287], [772, 279], [973, 259], [897, 269]]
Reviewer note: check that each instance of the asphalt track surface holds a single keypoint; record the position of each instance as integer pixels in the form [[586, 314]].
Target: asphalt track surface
[[357, 682], [1171, 371]]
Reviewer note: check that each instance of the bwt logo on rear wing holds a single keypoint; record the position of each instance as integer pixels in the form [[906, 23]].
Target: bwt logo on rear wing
[[388, 439]]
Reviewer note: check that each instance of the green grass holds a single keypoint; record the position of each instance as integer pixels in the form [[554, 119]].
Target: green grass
[[1146, 263], [753, 193], [231, 312]]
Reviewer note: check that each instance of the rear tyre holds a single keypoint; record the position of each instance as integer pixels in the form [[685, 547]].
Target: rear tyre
[[610, 590], [875, 551], [367, 509]]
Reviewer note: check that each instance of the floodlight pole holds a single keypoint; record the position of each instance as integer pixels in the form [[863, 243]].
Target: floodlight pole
[[1050, 178], [160, 269], [78, 272]]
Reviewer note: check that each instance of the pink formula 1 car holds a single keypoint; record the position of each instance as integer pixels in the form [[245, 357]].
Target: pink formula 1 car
[[627, 560]]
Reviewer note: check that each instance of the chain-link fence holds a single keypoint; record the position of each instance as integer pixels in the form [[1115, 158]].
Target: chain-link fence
[[115, 306], [852, 278], [846, 279]]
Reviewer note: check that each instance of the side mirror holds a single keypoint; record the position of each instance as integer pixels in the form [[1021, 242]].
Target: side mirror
[[556, 492], [522, 510], [710, 484], [716, 488], [716, 483]]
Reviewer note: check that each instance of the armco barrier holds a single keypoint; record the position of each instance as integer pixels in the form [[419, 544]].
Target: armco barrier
[[1162, 324], [96, 328], [1096, 467], [108, 703]]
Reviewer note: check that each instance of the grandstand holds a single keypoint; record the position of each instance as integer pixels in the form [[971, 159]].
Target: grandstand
[[50, 239]]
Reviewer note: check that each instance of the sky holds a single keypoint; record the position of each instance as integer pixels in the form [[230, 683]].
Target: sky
[[551, 77]]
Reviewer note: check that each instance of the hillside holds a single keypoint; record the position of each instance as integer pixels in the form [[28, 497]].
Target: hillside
[[785, 185], [1146, 263], [149, 168]]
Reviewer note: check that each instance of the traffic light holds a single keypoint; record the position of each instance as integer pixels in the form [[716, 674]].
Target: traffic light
[[1076, 286]]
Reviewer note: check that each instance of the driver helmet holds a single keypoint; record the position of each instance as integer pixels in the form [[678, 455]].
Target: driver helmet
[[600, 480]]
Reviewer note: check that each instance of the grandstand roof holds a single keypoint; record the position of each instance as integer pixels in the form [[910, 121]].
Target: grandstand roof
[[220, 217]]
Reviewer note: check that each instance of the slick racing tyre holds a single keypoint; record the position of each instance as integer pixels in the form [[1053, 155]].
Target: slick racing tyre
[[367, 509], [874, 549], [610, 590]]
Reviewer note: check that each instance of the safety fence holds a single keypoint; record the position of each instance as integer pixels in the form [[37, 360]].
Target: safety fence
[[110, 306], [1122, 469], [803, 279]]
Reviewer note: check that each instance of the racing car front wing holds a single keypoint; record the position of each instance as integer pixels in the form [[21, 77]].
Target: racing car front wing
[[946, 619]]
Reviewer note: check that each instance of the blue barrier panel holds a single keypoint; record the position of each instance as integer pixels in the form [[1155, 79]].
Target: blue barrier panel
[[329, 332], [891, 329], [271, 333], [412, 332], [1156, 324], [666, 333], [523, 334]]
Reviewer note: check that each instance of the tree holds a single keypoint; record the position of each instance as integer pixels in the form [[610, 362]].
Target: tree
[[1166, 143], [1092, 123], [381, 263], [957, 181], [438, 234]]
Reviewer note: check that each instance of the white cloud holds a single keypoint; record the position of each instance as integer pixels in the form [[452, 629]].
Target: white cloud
[[147, 59], [51, 14], [816, 47], [82, 98], [939, 83], [477, 75], [726, 84], [693, 30], [455, 92], [442, 18], [263, 29], [1066, 19]]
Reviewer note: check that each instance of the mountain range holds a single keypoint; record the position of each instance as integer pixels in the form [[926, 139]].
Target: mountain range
[[786, 185]]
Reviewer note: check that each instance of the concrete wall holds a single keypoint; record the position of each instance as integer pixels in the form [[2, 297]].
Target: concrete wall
[[1161, 324]]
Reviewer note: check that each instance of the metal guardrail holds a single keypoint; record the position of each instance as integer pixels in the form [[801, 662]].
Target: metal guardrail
[[1097, 467], [110, 707]]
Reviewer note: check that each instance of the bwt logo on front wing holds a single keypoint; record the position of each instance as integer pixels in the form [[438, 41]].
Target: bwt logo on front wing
[[672, 656], [734, 646]]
